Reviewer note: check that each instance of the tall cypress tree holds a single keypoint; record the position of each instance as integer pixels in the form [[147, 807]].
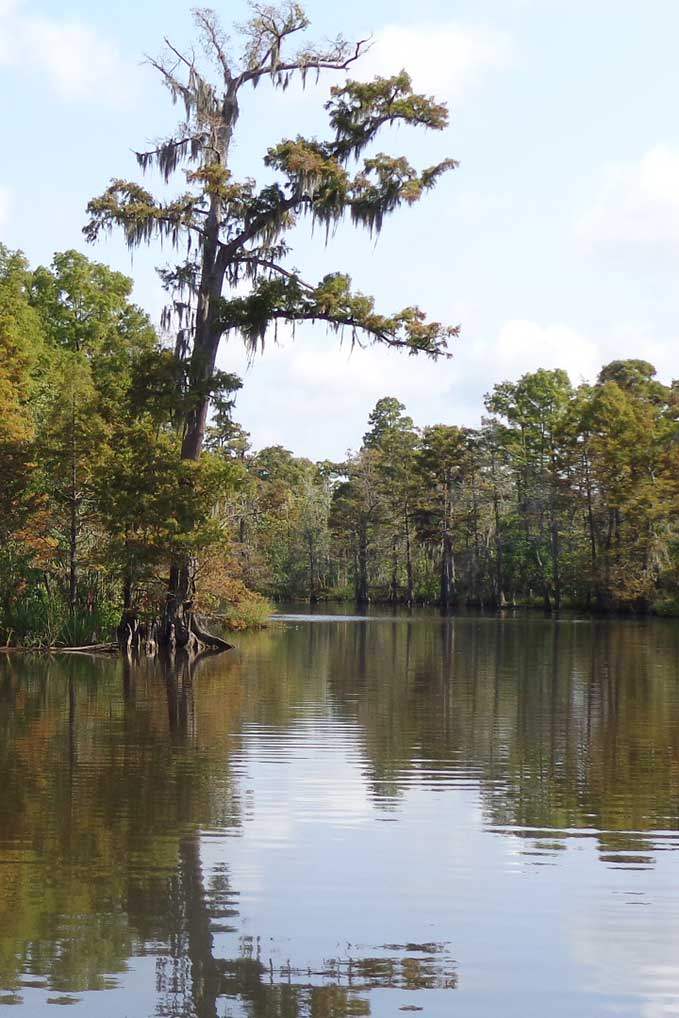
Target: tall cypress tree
[[234, 232]]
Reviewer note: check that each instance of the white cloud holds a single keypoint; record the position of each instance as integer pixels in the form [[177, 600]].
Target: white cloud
[[523, 346], [314, 397], [444, 59], [364, 373], [637, 210], [78, 62]]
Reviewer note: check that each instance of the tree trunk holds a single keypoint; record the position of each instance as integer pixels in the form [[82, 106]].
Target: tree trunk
[[556, 569], [313, 592], [180, 628], [73, 527], [447, 572], [475, 585], [499, 578], [73, 560], [544, 581], [591, 529], [393, 593], [362, 590], [179, 624], [410, 586], [554, 534]]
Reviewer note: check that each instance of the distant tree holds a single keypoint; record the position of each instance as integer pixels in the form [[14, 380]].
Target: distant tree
[[441, 465], [358, 510], [392, 433], [235, 232], [388, 417], [534, 411], [631, 419]]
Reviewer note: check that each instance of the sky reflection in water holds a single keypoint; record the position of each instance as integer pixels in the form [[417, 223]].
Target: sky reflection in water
[[470, 816]]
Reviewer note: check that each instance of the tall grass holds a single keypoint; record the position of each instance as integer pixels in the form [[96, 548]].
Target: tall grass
[[40, 619]]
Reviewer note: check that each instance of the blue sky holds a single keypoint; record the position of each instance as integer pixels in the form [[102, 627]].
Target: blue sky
[[555, 243]]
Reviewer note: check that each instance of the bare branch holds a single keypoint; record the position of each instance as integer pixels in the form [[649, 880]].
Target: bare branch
[[180, 56], [206, 21]]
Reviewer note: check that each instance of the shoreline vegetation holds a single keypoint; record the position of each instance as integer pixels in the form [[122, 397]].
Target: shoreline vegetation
[[132, 505], [563, 497]]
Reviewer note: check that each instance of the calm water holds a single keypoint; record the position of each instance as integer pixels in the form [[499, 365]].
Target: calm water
[[471, 817]]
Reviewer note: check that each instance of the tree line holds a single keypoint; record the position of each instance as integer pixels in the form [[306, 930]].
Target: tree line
[[564, 496]]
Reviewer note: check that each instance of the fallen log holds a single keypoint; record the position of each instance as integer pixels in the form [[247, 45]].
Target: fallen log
[[93, 648]]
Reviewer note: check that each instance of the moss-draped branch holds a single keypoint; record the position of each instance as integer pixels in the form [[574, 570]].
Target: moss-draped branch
[[285, 296], [141, 216], [234, 230]]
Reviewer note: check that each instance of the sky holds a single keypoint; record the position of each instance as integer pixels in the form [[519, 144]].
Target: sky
[[554, 244]]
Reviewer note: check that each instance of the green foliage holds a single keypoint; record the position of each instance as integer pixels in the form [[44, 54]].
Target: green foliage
[[133, 208], [21, 339], [95, 497], [280, 525], [386, 421], [41, 617], [160, 387], [154, 504], [358, 110], [564, 497], [334, 303], [235, 231]]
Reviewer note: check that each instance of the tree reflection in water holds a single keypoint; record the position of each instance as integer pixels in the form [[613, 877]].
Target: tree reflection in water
[[191, 980], [108, 792], [113, 769]]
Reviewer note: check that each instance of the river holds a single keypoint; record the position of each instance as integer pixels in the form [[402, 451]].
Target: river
[[475, 816]]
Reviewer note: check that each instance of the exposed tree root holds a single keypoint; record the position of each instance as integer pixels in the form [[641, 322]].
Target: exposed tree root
[[208, 639], [139, 637]]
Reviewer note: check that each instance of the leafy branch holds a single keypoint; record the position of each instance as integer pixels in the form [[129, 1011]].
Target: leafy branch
[[332, 301]]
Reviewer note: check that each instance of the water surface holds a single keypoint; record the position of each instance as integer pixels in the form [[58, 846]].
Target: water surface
[[471, 816]]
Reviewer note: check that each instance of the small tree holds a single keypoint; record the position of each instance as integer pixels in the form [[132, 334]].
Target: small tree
[[234, 232]]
